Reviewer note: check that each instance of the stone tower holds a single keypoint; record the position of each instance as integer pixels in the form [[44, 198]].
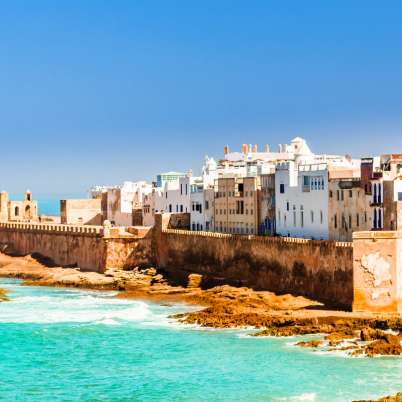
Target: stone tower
[[3, 206]]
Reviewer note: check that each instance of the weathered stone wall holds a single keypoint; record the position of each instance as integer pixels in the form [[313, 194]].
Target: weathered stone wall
[[377, 269], [93, 248], [321, 270], [84, 212], [63, 244], [123, 253]]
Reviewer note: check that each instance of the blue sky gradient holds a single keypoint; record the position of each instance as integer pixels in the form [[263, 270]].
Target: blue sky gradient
[[97, 92]]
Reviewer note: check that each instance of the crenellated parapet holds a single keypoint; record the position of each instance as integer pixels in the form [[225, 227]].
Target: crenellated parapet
[[263, 239], [80, 230]]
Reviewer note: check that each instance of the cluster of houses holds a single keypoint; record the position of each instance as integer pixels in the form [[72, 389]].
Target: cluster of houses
[[288, 192]]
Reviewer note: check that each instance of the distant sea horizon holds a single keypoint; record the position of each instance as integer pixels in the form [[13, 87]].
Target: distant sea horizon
[[49, 204]]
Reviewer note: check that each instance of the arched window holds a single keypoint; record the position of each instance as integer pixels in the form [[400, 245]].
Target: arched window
[[379, 193], [379, 219], [374, 193], [375, 219], [16, 211]]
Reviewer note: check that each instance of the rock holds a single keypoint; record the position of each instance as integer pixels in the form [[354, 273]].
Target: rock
[[395, 398], [391, 346], [336, 337], [194, 281], [310, 344], [3, 295]]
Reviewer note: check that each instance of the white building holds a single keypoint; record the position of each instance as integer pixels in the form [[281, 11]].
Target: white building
[[301, 196], [119, 202], [202, 197]]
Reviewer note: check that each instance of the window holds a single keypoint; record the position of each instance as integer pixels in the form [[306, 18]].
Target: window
[[337, 195], [181, 208], [350, 194], [181, 188], [335, 221], [330, 193], [357, 220], [294, 215], [312, 216], [350, 221], [287, 206], [400, 196], [279, 217], [306, 183], [342, 195], [302, 218], [321, 217], [282, 188], [170, 207], [177, 208]]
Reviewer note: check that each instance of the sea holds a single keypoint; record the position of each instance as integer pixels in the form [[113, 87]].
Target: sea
[[78, 345]]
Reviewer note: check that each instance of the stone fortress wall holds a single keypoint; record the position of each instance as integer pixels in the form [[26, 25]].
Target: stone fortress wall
[[322, 270], [64, 245], [365, 274]]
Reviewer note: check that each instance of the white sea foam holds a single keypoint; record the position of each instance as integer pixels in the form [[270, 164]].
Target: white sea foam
[[308, 396], [30, 306]]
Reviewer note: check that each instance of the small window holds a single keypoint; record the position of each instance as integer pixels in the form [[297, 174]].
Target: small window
[[282, 188], [350, 194]]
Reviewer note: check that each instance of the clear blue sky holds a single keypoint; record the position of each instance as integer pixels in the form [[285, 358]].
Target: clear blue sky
[[105, 91]]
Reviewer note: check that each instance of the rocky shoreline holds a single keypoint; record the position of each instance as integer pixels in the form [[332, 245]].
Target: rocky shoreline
[[229, 307]]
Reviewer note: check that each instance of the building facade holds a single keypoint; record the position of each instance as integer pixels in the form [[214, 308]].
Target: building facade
[[237, 205]]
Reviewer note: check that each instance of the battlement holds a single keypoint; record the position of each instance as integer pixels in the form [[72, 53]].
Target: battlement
[[264, 239], [54, 228]]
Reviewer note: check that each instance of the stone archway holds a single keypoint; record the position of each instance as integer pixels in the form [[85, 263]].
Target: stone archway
[[27, 212]]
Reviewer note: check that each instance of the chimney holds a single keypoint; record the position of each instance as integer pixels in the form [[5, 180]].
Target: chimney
[[244, 149], [266, 148], [226, 150], [255, 148]]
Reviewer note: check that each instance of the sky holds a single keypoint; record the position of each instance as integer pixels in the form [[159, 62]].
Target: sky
[[98, 92]]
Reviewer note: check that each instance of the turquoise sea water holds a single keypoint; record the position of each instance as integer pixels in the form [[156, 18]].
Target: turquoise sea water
[[74, 345], [49, 206]]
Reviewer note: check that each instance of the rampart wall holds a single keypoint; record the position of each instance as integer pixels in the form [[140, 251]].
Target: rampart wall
[[64, 245], [322, 270]]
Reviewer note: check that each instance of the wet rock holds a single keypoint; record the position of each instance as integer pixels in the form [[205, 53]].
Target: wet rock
[[3, 295], [310, 344], [337, 337], [194, 281]]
